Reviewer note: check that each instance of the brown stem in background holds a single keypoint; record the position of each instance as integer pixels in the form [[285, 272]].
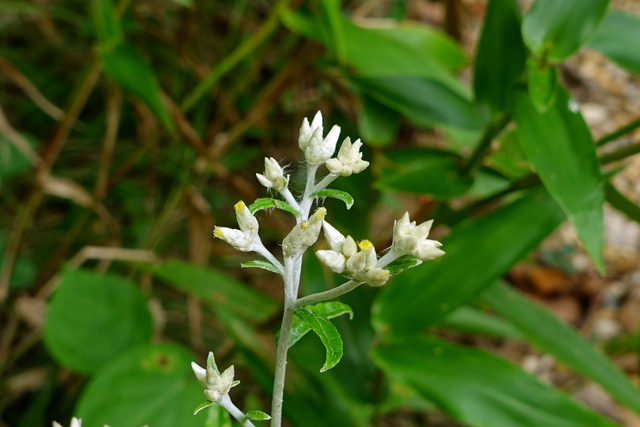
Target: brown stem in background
[[452, 19], [114, 102]]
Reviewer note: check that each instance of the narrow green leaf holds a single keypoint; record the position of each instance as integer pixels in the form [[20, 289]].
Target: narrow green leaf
[[424, 171], [106, 22], [478, 388], [401, 264], [269, 203], [336, 194], [615, 37], [328, 334], [422, 296], [328, 310], [559, 145], [621, 203], [556, 29], [203, 405], [377, 124], [424, 101], [542, 82], [470, 319], [551, 335], [501, 54], [217, 289], [265, 265], [256, 415], [150, 385], [126, 68], [333, 18], [93, 318]]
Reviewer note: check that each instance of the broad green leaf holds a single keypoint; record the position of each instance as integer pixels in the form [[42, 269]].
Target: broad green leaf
[[328, 310], [269, 203], [377, 124], [107, 23], [559, 145], [93, 318], [150, 385], [478, 388], [256, 415], [401, 264], [554, 29], [501, 54], [127, 68], [336, 194], [617, 37], [621, 203], [478, 251], [328, 334], [424, 171], [470, 319], [542, 83], [544, 330], [424, 101], [265, 265], [216, 289]]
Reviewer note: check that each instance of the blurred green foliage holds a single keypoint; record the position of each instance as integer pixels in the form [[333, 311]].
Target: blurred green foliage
[[127, 130]]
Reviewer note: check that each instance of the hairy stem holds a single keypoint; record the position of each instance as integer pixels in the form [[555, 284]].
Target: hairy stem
[[281, 366], [227, 404]]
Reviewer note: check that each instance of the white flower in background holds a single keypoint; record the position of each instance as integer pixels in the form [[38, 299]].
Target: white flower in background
[[273, 176], [75, 422], [304, 234], [216, 384], [349, 159], [411, 239], [317, 148], [243, 239]]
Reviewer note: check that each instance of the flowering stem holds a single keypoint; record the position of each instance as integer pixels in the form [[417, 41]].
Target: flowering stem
[[327, 295], [288, 197], [324, 183], [227, 404], [260, 249], [281, 366], [307, 200]]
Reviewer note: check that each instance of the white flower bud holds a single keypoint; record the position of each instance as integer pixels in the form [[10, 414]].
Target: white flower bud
[[428, 250], [349, 247], [75, 422], [349, 159], [200, 373], [304, 234], [333, 236], [411, 239], [247, 222], [307, 131], [215, 384], [356, 263], [273, 175], [320, 150], [332, 259], [377, 277], [236, 238]]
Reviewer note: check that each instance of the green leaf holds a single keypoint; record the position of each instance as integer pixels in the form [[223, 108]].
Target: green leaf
[[501, 54], [93, 318], [424, 101], [559, 145], [216, 289], [269, 203], [621, 203], [424, 171], [478, 388], [203, 405], [328, 334], [265, 265], [478, 251], [107, 23], [256, 415], [556, 29], [542, 83], [377, 124], [328, 310], [126, 68], [401, 264], [615, 37], [470, 319], [336, 194], [150, 385], [544, 330], [333, 18]]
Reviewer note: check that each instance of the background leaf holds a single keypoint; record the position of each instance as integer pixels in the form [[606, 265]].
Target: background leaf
[[328, 334], [614, 37], [478, 388], [486, 246], [559, 145], [555, 29], [551, 335], [93, 318], [328, 310]]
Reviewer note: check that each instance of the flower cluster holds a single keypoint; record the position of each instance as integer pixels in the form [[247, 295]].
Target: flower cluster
[[246, 237], [349, 159], [304, 234], [273, 176], [215, 384], [411, 239], [344, 258]]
